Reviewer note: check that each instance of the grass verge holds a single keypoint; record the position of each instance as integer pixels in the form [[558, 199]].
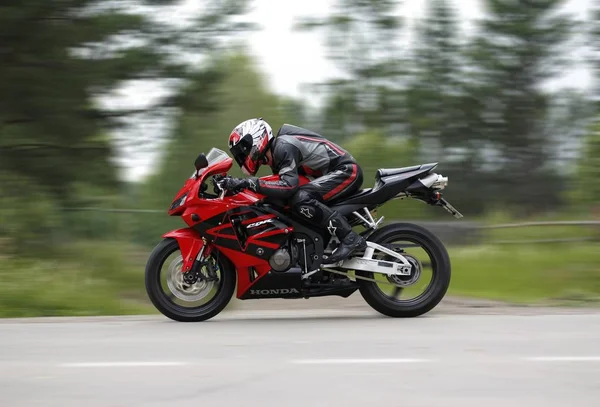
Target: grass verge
[[90, 279], [548, 273], [85, 279]]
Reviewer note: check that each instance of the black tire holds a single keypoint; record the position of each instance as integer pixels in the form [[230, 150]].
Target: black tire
[[437, 288], [174, 311]]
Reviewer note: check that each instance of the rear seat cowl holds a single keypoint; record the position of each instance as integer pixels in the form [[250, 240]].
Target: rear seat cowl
[[386, 172]]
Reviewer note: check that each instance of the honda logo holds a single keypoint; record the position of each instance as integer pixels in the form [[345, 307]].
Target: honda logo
[[275, 291]]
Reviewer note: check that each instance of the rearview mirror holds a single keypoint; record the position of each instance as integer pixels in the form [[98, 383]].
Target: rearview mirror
[[201, 162]]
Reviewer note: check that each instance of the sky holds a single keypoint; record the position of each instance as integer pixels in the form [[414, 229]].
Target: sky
[[276, 43], [291, 59]]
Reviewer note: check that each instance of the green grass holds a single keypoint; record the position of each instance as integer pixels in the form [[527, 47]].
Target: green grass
[[528, 274], [83, 280], [89, 278], [531, 232]]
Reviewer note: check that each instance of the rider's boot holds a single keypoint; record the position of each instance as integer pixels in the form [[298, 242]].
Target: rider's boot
[[350, 241]]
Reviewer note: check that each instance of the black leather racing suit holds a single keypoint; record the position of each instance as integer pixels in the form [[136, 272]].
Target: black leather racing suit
[[334, 172]]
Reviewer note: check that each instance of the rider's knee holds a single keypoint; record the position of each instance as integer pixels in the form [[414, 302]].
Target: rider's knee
[[298, 198], [301, 198]]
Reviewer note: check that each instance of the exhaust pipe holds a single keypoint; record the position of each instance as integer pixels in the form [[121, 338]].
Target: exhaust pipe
[[434, 181]]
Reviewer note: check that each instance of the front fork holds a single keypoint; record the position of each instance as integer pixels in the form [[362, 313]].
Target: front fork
[[202, 259], [194, 249]]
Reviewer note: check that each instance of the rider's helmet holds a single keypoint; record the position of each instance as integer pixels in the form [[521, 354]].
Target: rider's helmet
[[249, 142]]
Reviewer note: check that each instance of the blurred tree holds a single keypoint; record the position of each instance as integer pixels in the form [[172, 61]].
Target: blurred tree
[[568, 119], [433, 111], [57, 58], [361, 37], [28, 223], [588, 175], [441, 110], [520, 47], [595, 42], [581, 117]]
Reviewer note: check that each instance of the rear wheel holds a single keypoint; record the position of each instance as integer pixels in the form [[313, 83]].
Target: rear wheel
[[183, 299], [389, 294]]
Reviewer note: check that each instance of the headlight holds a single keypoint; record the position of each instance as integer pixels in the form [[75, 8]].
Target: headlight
[[178, 202]]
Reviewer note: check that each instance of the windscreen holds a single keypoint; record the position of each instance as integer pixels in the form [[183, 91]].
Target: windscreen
[[214, 156]]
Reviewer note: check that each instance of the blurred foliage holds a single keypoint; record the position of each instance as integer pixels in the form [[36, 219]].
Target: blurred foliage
[[594, 41], [528, 273], [521, 46], [55, 137], [443, 114], [29, 216], [474, 104], [434, 96], [80, 279], [361, 41], [51, 129], [587, 183]]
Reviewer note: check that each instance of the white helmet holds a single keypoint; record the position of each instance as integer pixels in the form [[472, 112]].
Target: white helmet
[[248, 143]]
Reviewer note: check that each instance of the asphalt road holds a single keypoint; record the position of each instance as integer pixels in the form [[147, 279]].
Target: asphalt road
[[303, 358]]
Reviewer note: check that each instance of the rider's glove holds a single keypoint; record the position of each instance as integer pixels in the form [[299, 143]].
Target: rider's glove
[[238, 184]]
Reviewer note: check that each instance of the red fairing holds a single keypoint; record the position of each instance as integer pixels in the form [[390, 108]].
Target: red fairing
[[192, 186], [242, 263], [190, 242], [211, 218]]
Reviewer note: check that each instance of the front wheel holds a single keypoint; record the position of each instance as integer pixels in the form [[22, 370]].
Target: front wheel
[[386, 293], [181, 297]]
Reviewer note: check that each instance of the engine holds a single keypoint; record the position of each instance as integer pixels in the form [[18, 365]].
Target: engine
[[282, 260]]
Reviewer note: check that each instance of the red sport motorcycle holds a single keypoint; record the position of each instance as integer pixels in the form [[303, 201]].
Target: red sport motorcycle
[[266, 250]]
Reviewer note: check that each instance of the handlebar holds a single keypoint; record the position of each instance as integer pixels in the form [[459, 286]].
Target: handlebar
[[223, 192], [218, 184]]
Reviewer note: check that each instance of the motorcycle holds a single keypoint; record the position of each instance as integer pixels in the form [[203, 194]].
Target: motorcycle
[[256, 244]]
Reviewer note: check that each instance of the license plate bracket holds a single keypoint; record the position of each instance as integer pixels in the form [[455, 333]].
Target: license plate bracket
[[451, 209]]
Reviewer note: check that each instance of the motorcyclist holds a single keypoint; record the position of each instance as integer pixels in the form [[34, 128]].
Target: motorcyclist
[[334, 173]]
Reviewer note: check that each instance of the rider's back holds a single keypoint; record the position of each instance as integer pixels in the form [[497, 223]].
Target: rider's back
[[317, 156]]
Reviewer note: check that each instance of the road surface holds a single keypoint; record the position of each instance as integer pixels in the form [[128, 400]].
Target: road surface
[[303, 358]]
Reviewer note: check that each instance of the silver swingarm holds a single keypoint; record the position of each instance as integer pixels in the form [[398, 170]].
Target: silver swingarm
[[366, 263]]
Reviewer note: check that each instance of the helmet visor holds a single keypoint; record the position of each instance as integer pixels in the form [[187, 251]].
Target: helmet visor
[[241, 150], [251, 164]]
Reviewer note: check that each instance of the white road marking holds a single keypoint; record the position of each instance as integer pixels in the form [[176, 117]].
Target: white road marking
[[122, 364], [341, 361], [564, 359], [356, 361]]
